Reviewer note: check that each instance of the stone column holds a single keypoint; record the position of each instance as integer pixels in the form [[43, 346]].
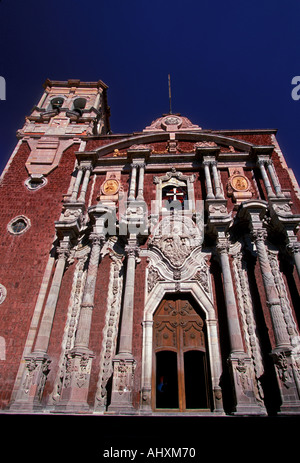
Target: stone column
[[147, 366], [261, 164], [140, 195], [210, 193], [77, 185], [124, 363], [79, 359], [85, 183], [239, 362], [218, 190], [294, 248], [281, 335], [131, 196], [285, 361], [38, 363], [43, 337], [274, 178], [235, 335], [215, 364]]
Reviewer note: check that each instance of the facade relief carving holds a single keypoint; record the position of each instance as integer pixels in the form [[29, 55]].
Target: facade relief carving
[[110, 331], [175, 238]]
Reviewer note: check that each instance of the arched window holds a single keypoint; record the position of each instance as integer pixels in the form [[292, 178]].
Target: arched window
[[174, 195]]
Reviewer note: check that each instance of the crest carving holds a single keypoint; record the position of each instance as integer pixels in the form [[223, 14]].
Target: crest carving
[[176, 237]]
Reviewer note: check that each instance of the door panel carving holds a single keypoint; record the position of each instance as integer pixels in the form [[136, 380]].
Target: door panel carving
[[180, 377]]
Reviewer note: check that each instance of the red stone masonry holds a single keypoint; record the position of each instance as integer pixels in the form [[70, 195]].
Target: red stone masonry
[[23, 258]]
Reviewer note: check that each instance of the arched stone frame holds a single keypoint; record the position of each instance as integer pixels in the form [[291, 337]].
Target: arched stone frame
[[157, 294], [181, 179]]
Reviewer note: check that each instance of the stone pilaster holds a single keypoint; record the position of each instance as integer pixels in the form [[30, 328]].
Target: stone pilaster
[[86, 178], [239, 362], [274, 178], [140, 195], [79, 360], [218, 189], [132, 187], [209, 188], [77, 185], [38, 362], [124, 363], [261, 164], [286, 364]]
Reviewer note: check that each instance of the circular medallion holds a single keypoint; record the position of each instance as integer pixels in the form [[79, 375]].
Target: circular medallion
[[110, 187], [172, 120], [239, 183], [169, 121]]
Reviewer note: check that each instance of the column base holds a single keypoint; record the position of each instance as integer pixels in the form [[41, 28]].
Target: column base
[[121, 397], [76, 381], [32, 385], [288, 380], [242, 378]]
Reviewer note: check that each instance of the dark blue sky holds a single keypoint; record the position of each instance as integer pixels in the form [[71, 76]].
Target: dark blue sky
[[231, 62]]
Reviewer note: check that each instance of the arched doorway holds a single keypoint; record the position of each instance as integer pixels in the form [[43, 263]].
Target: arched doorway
[[180, 378]]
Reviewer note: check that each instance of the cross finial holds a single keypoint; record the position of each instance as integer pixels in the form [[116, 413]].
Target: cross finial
[[170, 95]]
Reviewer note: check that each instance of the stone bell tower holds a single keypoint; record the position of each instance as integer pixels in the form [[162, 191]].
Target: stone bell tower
[[67, 115]]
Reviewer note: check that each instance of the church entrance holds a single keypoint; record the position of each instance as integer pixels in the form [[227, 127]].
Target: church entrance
[[180, 379]]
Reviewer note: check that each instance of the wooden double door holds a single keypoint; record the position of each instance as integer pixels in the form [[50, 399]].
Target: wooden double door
[[180, 377]]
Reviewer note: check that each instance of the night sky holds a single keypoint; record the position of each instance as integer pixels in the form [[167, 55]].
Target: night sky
[[231, 62]]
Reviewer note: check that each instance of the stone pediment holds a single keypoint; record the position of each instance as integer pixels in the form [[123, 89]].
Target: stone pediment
[[171, 123]]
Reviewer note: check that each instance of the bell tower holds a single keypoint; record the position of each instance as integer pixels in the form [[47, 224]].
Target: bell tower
[[67, 111]]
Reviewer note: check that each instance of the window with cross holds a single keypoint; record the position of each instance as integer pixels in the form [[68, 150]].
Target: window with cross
[[174, 196]]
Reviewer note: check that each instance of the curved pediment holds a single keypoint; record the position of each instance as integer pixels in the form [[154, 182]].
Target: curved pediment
[[144, 141]]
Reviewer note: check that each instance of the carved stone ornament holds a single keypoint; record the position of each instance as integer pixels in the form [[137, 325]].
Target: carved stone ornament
[[3, 293], [110, 187], [238, 186], [176, 237]]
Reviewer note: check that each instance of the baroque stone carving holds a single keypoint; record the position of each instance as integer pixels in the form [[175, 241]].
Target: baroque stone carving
[[110, 330], [69, 334], [153, 278], [283, 298], [3, 293], [202, 276], [176, 237], [249, 326]]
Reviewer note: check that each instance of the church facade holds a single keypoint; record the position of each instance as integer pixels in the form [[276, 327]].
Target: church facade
[[147, 273]]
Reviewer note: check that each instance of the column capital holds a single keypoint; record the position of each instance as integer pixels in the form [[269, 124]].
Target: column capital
[[132, 250], [63, 250], [223, 246], [96, 239], [259, 234]]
